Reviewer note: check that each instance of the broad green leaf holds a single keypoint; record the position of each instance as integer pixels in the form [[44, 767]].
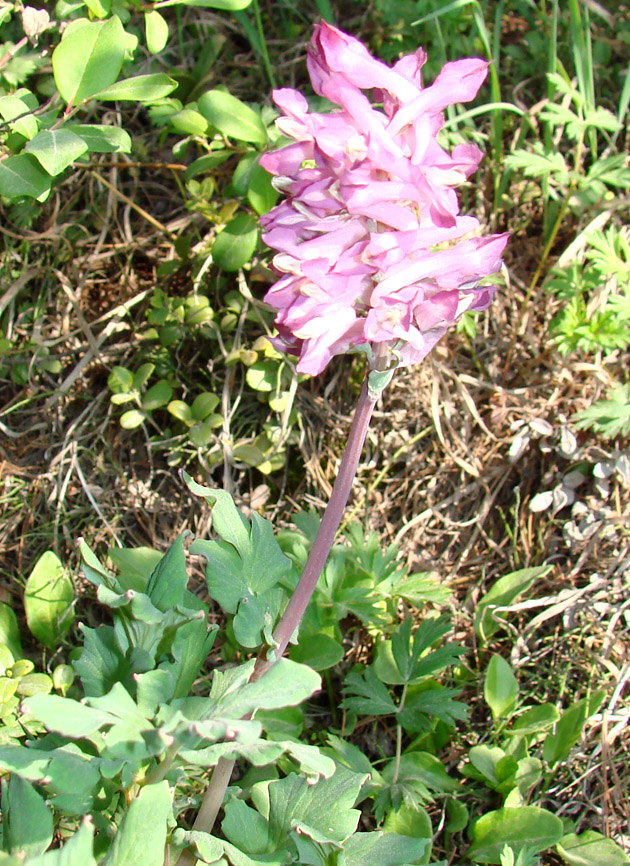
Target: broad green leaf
[[9, 630], [500, 688], [102, 662], [286, 684], [56, 149], [235, 245], [568, 730], [48, 598], [485, 759], [22, 176], [27, 822], [260, 193], [140, 88], [169, 579], [102, 139], [204, 404], [189, 122], [263, 376], [135, 564], [190, 648], [157, 396], [457, 815], [77, 851], [201, 434], [422, 767], [120, 380], [524, 827], [386, 849], [411, 821], [534, 720], [245, 827], [132, 419], [326, 806], [67, 717], [141, 836], [318, 651], [502, 593], [232, 117], [88, 58], [156, 30], [181, 410], [99, 8], [591, 849]]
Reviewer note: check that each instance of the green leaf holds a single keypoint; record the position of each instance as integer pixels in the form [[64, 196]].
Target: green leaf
[[169, 579], [132, 419], [56, 149], [67, 717], [140, 88], [591, 849], [102, 139], [120, 380], [235, 245], [500, 688], [326, 806], [9, 631], [260, 193], [569, 729], [414, 658], [386, 849], [27, 821], [286, 684], [367, 695], [204, 404], [136, 565], [48, 598], [77, 851], [245, 827], [21, 176], [318, 651], [263, 376], [157, 396], [502, 593], [141, 836], [156, 30], [534, 720], [181, 410], [524, 827], [102, 662], [88, 58], [232, 117], [411, 821]]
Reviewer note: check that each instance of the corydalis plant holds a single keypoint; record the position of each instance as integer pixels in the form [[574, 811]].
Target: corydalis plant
[[370, 241], [369, 199]]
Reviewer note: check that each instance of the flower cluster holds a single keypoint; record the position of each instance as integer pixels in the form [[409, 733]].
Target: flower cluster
[[367, 236]]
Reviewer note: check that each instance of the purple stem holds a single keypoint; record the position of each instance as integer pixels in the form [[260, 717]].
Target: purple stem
[[298, 602], [326, 533]]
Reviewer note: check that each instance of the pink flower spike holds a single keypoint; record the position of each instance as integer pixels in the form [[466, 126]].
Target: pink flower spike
[[371, 246]]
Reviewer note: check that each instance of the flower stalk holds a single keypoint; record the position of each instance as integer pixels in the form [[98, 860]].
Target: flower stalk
[[292, 616]]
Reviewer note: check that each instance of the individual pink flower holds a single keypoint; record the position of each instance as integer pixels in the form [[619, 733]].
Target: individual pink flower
[[370, 241]]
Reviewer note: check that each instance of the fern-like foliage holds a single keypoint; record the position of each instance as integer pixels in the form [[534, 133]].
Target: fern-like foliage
[[610, 418]]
